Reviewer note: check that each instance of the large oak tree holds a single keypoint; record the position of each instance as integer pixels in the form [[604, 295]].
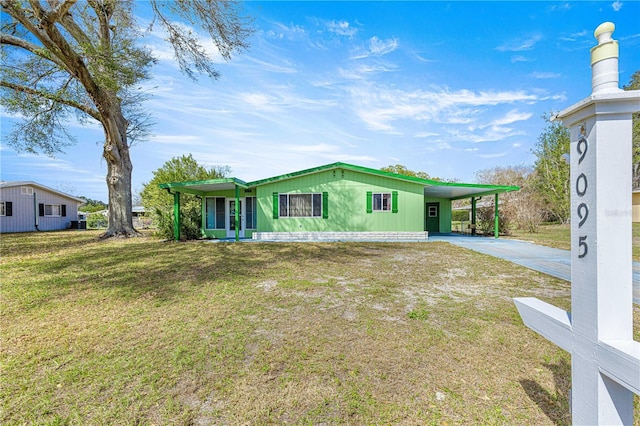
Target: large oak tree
[[84, 59]]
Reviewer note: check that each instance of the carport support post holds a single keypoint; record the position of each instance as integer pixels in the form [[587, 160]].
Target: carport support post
[[473, 216], [496, 219], [237, 214], [176, 216]]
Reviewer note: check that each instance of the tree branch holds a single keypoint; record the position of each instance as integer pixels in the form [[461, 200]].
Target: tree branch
[[61, 10], [30, 47], [24, 89]]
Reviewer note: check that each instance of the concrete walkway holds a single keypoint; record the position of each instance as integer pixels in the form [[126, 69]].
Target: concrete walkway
[[551, 261]]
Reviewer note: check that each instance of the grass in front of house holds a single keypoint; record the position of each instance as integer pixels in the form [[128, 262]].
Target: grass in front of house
[[142, 331], [559, 236]]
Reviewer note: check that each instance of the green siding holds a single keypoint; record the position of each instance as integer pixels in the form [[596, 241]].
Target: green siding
[[445, 212], [348, 191]]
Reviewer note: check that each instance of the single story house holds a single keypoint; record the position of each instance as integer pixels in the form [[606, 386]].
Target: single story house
[[334, 201], [30, 206]]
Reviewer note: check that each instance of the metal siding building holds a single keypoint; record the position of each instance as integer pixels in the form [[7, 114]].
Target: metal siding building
[[335, 198], [30, 206]]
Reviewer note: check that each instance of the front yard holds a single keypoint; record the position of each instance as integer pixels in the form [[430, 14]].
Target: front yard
[[147, 332]]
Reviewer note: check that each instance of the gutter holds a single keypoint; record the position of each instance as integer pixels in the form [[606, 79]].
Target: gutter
[[35, 210]]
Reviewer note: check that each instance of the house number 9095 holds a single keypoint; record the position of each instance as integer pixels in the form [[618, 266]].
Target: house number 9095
[[582, 185]]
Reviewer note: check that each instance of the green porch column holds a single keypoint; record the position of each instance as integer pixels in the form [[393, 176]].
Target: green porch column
[[496, 219], [176, 216], [237, 214], [473, 216]]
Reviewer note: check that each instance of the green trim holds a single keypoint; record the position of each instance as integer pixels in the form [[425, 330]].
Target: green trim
[[236, 219], [394, 202], [346, 167], [496, 220], [276, 212], [369, 202], [176, 216], [187, 186], [495, 190], [325, 205]]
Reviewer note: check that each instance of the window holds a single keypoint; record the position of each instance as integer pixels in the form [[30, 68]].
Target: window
[[215, 213], [251, 212], [382, 202], [26, 190], [6, 208], [52, 210], [300, 205], [433, 211]]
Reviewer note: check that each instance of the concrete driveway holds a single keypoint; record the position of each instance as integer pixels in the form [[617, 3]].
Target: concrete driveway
[[551, 261]]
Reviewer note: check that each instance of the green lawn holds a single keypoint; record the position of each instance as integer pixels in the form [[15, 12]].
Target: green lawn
[[146, 332], [559, 236]]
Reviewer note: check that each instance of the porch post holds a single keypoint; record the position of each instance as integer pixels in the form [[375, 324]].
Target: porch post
[[473, 216], [237, 214], [496, 219], [176, 216]]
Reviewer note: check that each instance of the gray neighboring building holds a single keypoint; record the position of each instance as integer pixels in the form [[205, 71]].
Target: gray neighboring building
[[30, 206]]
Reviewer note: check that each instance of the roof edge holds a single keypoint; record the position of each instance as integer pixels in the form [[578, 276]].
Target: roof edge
[[13, 184]]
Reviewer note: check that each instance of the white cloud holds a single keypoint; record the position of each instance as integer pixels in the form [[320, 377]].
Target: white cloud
[[497, 155], [379, 47], [519, 58], [520, 44], [544, 75], [511, 117], [617, 5], [290, 32], [341, 28]]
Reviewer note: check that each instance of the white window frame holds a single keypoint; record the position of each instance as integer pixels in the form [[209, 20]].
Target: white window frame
[[26, 190], [51, 208], [382, 199], [3, 208], [434, 209], [314, 208]]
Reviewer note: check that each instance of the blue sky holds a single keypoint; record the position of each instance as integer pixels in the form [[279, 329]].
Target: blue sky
[[448, 88]]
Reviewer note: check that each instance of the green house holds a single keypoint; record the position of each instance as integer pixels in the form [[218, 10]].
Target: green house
[[335, 201]]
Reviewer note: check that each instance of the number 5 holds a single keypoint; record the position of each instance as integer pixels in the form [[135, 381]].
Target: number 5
[[582, 244]]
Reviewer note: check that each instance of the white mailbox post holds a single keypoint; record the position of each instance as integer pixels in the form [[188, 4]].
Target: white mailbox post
[[598, 332]]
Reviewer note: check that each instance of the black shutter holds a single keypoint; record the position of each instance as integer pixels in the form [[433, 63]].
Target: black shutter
[[8, 208], [63, 210], [40, 209]]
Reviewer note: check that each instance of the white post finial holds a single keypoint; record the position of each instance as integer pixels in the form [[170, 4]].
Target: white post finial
[[604, 60]]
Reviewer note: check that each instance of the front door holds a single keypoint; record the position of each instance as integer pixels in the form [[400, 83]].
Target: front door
[[231, 219], [432, 219]]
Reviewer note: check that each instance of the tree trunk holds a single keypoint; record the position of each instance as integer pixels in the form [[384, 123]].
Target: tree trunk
[[119, 168]]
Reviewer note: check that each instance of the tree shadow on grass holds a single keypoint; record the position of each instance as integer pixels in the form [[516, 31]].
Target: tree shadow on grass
[[169, 270], [554, 405]]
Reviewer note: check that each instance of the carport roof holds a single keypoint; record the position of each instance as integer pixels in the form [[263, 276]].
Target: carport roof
[[432, 188]]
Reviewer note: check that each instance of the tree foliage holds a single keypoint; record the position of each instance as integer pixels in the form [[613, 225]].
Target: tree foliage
[[84, 60], [552, 170], [402, 170], [523, 209], [159, 203], [634, 84], [91, 206]]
